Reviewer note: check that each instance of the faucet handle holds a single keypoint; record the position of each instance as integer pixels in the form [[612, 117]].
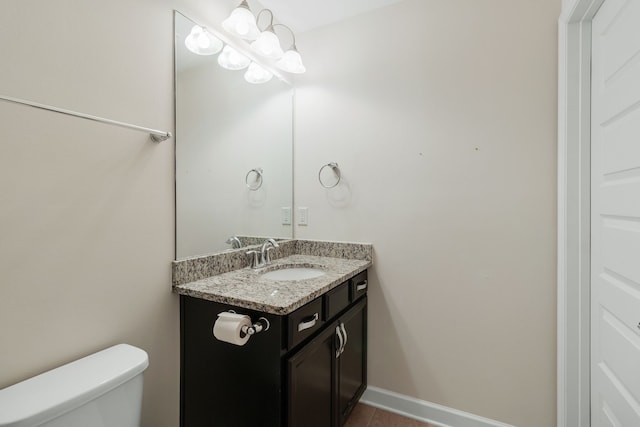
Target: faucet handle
[[234, 241], [267, 255], [255, 259]]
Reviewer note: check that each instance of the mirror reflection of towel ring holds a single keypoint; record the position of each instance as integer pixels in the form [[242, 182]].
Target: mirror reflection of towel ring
[[258, 180], [336, 170]]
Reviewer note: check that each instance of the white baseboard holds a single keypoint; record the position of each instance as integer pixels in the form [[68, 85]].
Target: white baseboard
[[424, 411]]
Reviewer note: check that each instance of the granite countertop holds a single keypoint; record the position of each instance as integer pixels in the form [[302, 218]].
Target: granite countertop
[[246, 288]]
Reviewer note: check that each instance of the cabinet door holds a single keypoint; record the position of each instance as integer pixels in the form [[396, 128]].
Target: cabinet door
[[311, 382], [352, 362]]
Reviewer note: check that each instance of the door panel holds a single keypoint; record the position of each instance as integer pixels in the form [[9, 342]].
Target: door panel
[[620, 42], [620, 352], [619, 295], [615, 215], [612, 407], [620, 248], [621, 152], [616, 201]]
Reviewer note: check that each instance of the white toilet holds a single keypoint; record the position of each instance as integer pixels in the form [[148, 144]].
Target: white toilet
[[100, 390]]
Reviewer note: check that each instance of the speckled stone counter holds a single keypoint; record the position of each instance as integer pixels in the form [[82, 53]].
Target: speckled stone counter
[[244, 286]]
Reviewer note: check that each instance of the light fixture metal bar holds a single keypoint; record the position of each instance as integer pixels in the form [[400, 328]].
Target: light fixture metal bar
[[156, 135]]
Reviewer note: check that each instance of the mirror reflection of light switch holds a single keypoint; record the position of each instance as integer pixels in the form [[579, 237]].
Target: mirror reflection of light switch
[[303, 216], [286, 216]]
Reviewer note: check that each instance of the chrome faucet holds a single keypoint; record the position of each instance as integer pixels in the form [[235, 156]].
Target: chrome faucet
[[234, 242], [262, 258], [268, 245]]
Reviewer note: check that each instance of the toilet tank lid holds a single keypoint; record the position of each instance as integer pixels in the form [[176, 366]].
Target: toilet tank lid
[[55, 392]]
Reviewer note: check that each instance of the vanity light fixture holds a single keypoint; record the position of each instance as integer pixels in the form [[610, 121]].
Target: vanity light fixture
[[257, 74], [231, 59], [242, 23], [202, 42], [291, 61], [267, 44]]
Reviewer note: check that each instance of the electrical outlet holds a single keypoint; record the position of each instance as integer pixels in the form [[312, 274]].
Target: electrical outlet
[[303, 216]]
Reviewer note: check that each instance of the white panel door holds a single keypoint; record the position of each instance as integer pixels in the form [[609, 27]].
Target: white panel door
[[615, 216]]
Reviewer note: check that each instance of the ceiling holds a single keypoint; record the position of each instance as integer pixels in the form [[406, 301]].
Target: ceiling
[[305, 15]]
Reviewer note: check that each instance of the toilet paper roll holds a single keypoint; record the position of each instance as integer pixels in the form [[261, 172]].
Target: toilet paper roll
[[228, 328]]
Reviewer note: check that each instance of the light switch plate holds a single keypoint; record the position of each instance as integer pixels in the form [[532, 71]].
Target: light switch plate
[[303, 216], [286, 215]]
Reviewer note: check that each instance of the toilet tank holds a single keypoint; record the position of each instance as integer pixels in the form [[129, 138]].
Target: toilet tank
[[103, 389]]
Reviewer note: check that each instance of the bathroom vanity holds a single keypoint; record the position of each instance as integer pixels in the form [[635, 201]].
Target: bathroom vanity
[[308, 368]]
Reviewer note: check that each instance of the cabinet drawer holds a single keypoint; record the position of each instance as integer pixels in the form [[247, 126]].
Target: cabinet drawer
[[336, 300], [305, 321], [359, 285]]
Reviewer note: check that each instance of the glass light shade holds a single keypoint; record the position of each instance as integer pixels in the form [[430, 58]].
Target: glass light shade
[[242, 23], [256, 74], [231, 59], [291, 62], [202, 42], [267, 44]]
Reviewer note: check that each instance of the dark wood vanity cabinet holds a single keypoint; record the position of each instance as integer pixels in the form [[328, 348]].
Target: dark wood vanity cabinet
[[307, 370], [327, 377]]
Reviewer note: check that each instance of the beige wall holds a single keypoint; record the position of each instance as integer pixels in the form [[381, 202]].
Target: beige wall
[[442, 117], [86, 209]]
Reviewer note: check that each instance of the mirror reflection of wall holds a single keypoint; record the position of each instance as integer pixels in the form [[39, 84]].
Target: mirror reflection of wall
[[225, 127]]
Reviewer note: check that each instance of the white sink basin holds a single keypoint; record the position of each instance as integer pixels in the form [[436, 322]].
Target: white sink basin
[[293, 273]]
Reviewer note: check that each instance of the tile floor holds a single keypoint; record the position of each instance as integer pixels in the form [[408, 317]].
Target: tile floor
[[368, 416]]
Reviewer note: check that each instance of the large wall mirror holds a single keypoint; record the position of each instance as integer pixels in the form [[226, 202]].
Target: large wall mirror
[[234, 153]]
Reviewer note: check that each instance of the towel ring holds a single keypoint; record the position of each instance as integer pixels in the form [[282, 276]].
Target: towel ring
[[336, 170], [258, 180]]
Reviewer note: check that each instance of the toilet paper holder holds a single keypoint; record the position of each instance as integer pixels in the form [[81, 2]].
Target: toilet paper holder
[[261, 325]]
